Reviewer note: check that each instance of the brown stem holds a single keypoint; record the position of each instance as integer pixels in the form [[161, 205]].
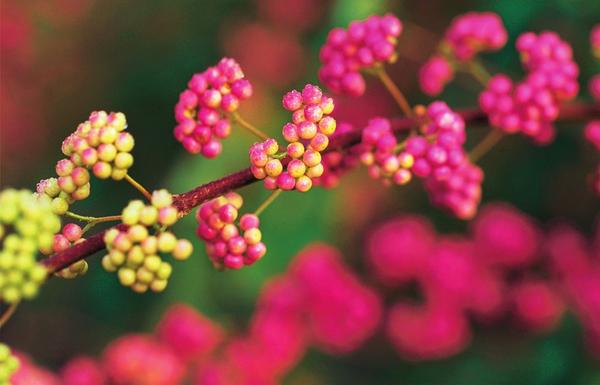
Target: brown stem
[[185, 202], [394, 91], [487, 143]]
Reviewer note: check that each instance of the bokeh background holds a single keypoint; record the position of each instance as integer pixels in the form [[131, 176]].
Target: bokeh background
[[61, 59]]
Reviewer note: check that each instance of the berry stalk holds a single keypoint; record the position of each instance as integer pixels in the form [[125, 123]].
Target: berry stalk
[[394, 91], [478, 71], [138, 186], [8, 312], [185, 202], [249, 126], [485, 145], [267, 202]]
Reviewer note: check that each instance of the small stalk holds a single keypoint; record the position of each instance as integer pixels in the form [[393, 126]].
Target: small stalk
[[249, 126], [394, 90], [267, 202], [138, 186], [485, 145]]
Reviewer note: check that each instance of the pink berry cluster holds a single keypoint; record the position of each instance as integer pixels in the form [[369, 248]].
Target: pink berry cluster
[[70, 234], [460, 193], [317, 302], [380, 153], [434, 74], [532, 105], [201, 112], [475, 32], [363, 45], [592, 128], [436, 155], [467, 35], [506, 268], [134, 254], [225, 246], [100, 144], [307, 136]]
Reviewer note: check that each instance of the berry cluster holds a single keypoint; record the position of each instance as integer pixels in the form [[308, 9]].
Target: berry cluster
[[494, 272], [531, 106], [140, 359], [317, 302], [434, 74], [592, 129], [99, 144], [201, 110], [435, 155], [474, 32], [468, 35], [364, 45], [307, 136], [27, 225], [379, 153], [460, 192], [71, 234], [225, 246], [134, 253], [8, 364], [438, 152]]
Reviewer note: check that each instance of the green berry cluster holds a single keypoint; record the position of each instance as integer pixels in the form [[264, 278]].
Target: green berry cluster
[[8, 364], [134, 253], [27, 224]]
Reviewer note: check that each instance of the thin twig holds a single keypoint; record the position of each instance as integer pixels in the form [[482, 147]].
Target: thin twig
[[485, 145], [249, 126], [138, 186], [394, 91], [267, 202]]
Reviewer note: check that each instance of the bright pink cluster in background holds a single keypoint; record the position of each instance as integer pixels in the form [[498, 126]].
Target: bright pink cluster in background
[[506, 269]]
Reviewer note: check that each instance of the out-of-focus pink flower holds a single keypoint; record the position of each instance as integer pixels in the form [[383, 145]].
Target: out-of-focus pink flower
[[83, 371], [341, 311], [137, 359], [427, 332], [397, 250], [434, 74], [537, 305], [29, 373], [191, 335], [506, 237]]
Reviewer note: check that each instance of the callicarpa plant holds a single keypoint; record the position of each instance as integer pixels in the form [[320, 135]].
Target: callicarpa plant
[[426, 293]]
